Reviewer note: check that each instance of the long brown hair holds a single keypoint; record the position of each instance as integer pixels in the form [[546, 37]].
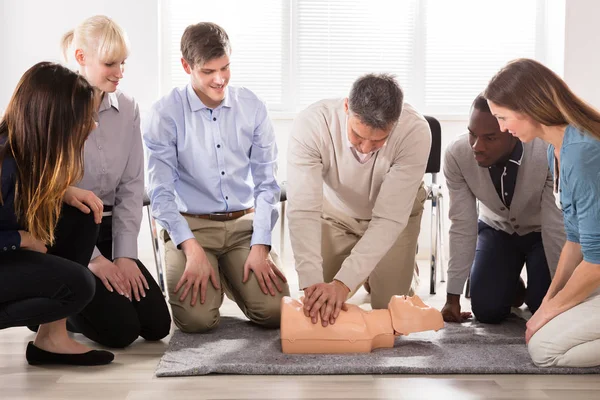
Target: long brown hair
[[46, 123], [528, 87]]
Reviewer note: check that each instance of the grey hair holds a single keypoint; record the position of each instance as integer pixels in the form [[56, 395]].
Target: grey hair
[[376, 100]]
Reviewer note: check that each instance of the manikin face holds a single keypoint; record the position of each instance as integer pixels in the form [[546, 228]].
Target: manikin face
[[489, 144], [103, 75], [519, 125], [210, 79], [364, 138]]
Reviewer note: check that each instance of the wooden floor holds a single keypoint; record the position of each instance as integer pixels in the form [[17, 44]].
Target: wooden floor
[[131, 377]]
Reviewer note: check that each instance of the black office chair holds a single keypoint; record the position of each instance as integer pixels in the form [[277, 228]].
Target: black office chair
[[434, 193]]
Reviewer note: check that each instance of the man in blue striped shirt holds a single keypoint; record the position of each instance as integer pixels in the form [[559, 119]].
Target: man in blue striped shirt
[[212, 161]]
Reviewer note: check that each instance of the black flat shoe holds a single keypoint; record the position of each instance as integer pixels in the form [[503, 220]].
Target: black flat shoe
[[37, 356]]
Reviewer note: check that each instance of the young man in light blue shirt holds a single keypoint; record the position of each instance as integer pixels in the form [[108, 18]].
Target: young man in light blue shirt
[[212, 161]]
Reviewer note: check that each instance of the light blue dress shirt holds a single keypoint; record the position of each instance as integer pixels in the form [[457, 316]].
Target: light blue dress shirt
[[579, 183], [203, 160]]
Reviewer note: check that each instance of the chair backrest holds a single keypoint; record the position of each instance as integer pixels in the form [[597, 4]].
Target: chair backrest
[[435, 155]]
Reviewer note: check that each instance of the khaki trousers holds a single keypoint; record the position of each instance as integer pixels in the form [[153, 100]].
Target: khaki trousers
[[227, 245], [393, 275]]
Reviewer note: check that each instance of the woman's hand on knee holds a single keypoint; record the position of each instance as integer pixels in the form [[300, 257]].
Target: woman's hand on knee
[[85, 201], [132, 274], [110, 276]]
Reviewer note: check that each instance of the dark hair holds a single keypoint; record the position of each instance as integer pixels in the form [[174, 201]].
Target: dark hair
[[376, 99], [528, 87], [203, 42], [46, 124], [480, 103]]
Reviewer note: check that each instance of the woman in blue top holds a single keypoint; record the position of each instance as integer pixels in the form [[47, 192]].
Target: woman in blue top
[[529, 100]]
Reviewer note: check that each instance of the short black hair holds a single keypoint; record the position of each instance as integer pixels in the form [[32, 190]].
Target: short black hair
[[481, 104]]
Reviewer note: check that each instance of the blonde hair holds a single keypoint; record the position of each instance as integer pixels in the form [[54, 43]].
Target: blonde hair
[[528, 87], [98, 35]]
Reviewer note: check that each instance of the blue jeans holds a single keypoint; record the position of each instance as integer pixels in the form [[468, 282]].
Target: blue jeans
[[495, 273]]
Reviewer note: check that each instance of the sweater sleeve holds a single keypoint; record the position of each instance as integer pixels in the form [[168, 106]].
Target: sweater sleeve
[[463, 225]]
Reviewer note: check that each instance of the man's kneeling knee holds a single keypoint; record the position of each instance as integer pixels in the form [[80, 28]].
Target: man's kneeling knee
[[267, 316], [197, 323]]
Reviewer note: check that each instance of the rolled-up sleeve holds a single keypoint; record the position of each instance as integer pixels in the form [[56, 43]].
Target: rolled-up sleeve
[[582, 176]]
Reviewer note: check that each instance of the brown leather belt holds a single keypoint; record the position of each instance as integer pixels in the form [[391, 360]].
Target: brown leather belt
[[225, 216]]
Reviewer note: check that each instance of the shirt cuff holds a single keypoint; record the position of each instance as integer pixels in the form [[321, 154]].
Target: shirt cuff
[[260, 236], [180, 233], [125, 246], [455, 286], [96, 253], [306, 279], [348, 279], [571, 237], [10, 241]]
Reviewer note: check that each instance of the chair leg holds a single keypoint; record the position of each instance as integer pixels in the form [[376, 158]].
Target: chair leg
[[157, 256], [434, 244], [468, 289], [282, 232], [441, 238]]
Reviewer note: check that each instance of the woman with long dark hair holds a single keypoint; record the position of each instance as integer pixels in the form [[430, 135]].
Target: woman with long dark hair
[[43, 279]]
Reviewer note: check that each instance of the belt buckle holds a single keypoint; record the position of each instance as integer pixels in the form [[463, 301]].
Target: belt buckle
[[220, 216]]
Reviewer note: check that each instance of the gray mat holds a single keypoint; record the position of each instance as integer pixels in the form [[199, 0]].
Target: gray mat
[[239, 347]]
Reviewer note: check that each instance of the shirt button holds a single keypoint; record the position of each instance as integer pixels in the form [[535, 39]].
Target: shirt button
[[214, 119], [218, 146], [6, 248], [222, 172], [502, 208], [517, 226], [506, 193], [226, 197], [104, 170], [14, 247], [99, 147]]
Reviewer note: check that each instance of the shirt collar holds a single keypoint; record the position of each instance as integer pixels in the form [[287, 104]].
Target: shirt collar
[[516, 156], [109, 100], [197, 104]]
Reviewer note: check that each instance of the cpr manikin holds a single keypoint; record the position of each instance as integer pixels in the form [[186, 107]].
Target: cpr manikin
[[355, 330]]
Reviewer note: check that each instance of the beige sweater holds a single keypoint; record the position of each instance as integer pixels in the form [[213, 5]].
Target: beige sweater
[[322, 166]]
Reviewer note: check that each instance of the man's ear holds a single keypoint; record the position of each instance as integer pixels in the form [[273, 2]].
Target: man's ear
[[186, 66], [80, 57], [346, 106]]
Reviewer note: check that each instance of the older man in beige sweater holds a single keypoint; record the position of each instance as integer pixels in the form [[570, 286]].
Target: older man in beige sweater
[[355, 194]]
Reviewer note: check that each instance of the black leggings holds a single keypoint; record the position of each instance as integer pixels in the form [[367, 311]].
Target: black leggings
[[37, 288], [112, 320]]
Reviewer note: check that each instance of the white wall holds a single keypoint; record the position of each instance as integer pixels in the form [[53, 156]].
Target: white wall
[[30, 31], [582, 49]]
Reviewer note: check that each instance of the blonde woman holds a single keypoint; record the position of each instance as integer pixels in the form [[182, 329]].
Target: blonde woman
[[128, 303], [529, 101], [42, 279]]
